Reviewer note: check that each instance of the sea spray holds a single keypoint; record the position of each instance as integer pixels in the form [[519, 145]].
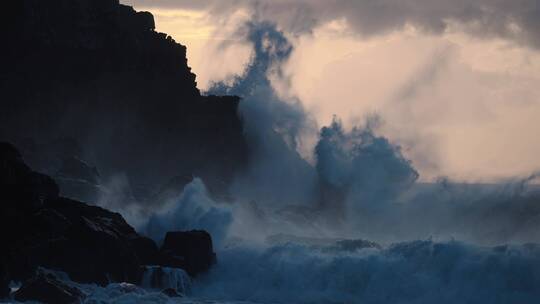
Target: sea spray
[[193, 209], [408, 272], [161, 278]]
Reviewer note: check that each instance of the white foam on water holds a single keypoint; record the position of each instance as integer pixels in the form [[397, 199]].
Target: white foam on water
[[409, 272], [157, 277]]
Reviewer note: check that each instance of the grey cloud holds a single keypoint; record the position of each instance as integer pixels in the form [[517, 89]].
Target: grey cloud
[[517, 20]]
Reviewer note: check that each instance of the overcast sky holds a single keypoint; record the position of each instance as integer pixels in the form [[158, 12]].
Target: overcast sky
[[457, 83]]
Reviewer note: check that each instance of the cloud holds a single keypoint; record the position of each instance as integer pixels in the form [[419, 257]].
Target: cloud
[[517, 20]]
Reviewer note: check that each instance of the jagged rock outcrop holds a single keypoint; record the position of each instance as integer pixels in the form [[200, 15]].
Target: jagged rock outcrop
[[4, 283], [189, 250], [96, 71], [45, 287], [39, 228], [171, 281], [77, 179]]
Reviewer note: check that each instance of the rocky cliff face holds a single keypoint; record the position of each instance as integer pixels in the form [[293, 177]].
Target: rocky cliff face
[[39, 228], [95, 73]]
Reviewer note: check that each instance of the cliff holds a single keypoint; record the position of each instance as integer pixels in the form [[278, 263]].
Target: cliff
[[92, 79], [40, 228]]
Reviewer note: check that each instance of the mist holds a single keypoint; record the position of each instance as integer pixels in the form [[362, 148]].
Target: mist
[[357, 183], [352, 221]]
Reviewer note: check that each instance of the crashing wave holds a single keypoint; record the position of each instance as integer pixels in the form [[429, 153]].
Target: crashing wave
[[166, 278], [406, 272]]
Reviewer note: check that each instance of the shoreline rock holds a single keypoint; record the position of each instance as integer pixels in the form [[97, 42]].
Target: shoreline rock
[[189, 250], [46, 288], [90, 244]]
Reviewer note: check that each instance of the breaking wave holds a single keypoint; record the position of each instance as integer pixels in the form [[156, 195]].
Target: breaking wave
[[408, 272]]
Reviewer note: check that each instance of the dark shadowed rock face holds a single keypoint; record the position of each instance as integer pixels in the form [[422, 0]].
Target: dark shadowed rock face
[[166, 278], [47, 288], [96, 71], [189, 250], [4, 283], [22, 188], [171, 293], [39, 228], [77, 179]]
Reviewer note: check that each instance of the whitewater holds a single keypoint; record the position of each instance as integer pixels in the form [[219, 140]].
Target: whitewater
[[350, 272]]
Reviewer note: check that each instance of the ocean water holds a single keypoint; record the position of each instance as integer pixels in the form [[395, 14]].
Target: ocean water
[[420, 271], [408, 272], [262, 260]]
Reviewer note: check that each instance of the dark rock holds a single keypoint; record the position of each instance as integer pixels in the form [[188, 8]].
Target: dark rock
[[171, 293], [75, 168], [4, 283], [145, 21], [189, 250], [20, 186], [96, 71], [166, 278], [9, 153], [4, 290], [79, 180], [18, 183], [38, 228], [146, 250], [46, 288]]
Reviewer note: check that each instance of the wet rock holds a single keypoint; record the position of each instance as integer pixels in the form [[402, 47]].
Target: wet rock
[[75, 168], [171, 293], [189, 250], [39, 228], [46, 288], [78, 180], [173, 280], [146, 250]]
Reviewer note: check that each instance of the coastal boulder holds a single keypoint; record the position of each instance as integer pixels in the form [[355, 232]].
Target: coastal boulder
[[40, 228], [190, 250], [45, 287], [174, 281]]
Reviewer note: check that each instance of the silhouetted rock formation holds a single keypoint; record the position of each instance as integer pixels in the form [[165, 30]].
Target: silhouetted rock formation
[[4, 283], [78, 179], [96, 71], [171, 293], [172, 281], [47, 288], [189, 250], [38, 228]]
